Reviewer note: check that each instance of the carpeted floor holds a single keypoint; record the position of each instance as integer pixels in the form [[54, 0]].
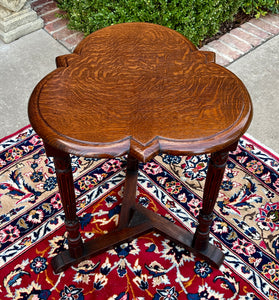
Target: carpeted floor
[[245, 227]]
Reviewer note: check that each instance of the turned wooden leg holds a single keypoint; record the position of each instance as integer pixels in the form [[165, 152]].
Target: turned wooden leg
[[63, 168], [216, 169], [130, 189]]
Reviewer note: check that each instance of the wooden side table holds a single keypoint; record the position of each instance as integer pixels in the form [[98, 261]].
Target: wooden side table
[[138, 89]]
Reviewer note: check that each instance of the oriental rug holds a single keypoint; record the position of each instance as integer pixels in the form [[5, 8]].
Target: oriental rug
[[245, 226]]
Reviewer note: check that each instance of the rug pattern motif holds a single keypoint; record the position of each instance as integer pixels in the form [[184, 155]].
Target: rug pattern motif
[[245, 226]]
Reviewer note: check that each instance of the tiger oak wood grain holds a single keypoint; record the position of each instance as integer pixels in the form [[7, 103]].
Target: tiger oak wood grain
[[140, 89]]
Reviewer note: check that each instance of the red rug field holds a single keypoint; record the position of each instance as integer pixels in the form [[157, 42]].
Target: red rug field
[[245, 227]]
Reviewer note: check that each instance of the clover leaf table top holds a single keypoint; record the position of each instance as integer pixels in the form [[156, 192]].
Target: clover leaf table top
[[139, 88]]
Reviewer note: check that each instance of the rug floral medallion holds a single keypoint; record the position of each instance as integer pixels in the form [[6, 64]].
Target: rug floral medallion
[[245, 226]]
